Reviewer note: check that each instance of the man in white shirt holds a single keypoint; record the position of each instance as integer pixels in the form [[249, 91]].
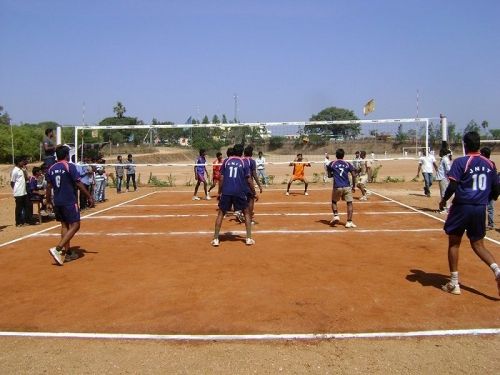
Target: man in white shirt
[[261, 168], [442, 172], [326, 163], [18, 180], [427, 164]]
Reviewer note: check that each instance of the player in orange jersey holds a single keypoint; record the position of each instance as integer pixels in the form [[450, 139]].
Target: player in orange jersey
[[299, 165]]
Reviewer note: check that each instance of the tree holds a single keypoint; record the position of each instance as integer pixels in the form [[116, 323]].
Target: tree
[[472, 126], [224, 119], [205, 120], [215, 119], [334, 114], [453, 135], [401, 135], [119, 109], [495, 133], [434, 133], [485, 125], [4, 117], [124, 134]]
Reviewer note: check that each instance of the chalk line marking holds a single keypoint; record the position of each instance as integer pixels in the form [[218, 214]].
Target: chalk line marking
[[424, 213], [41, 232], [164, 216], [240, 232], [258, 203], [256, 337]]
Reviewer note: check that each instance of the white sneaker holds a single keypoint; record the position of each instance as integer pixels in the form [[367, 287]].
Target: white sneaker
[[208, 197], [57, 255], [306, 193], [195, 198], [363, 198], [451, 288], [335, 219], [215, 242], [239, 216], [368, 193], [287, 193], [350, 224], [250, 241]]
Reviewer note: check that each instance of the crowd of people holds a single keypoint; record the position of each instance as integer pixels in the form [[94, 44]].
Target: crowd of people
[[31, 188]]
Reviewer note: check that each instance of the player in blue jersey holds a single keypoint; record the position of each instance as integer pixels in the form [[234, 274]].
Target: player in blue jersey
[[248, 153], [64, 178], [201, 175], [236, 181], [342, 186], [474, 181]]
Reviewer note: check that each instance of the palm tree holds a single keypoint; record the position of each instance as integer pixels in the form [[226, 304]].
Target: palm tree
[[119, 109]]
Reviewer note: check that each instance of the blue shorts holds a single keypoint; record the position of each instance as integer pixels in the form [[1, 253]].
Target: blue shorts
[[466, 217], [67, 214], [226, 202], [201, 177]]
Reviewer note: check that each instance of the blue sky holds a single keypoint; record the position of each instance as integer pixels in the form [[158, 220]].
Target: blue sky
[[285, 59]]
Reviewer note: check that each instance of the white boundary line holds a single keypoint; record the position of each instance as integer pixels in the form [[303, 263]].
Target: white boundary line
[[425, 213], [259, 203], [240, 232], [86, 216], [160, 216], [260, 337]]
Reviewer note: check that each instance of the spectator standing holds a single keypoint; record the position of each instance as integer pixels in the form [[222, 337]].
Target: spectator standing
[[119, 170], [100, 180], [427, 164], [261, 168], [442, 173], [18, 182], [130, 167], [86, 175], [326, 163], [49, 148]]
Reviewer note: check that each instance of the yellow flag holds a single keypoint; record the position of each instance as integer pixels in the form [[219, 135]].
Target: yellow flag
[[369, 107]]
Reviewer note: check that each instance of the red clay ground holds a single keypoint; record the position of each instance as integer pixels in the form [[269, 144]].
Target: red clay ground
[[159, 275], [341, 281]]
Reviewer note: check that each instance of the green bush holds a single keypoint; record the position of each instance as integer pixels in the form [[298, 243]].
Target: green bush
[[276, 142]]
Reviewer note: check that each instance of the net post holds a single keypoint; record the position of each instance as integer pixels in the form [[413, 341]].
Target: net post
[[444, 131], [426, 137], [58, 135], [76, 143]]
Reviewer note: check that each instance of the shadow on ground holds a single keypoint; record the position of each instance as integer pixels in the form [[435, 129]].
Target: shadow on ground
[[436, 280]]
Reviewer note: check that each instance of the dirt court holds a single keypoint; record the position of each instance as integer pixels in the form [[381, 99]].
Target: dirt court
[[146, 267]]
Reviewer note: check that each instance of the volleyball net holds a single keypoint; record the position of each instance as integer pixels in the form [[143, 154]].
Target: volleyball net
[[171, 151]]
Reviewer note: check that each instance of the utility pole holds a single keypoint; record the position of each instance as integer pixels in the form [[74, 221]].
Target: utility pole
[[236, 120], [417, 130]]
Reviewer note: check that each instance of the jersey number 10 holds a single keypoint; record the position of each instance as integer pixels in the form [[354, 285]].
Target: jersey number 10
[[479, 182]]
